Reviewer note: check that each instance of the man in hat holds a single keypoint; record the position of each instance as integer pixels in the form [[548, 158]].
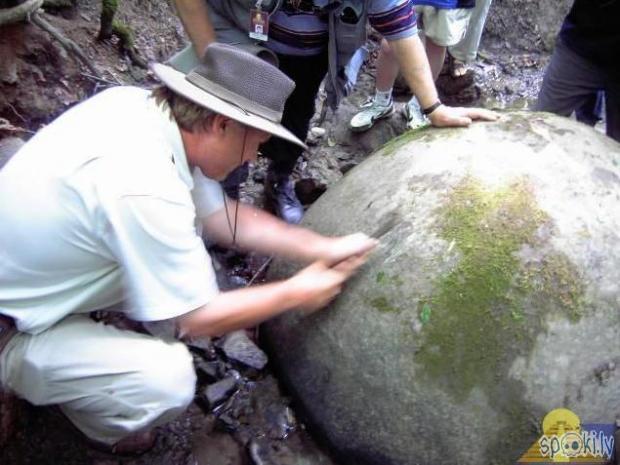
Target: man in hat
[[309, 40], [103, 206]]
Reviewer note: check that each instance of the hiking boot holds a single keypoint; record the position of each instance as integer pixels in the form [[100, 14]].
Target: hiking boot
[[371, 112], [280, 197], [413, 115]]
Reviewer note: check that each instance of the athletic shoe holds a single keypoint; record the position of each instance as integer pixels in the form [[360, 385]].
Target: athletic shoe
[[371, 112]]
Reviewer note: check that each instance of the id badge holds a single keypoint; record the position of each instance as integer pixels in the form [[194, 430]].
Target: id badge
[[259, 25]]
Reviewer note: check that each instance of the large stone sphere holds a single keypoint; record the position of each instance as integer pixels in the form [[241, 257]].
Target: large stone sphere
[[492, 299]]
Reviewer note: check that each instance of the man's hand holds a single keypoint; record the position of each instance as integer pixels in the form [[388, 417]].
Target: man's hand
[[319, 284], [336, 249], [445, 116]]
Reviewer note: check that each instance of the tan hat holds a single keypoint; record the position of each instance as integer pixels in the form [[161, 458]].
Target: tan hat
[[237, 84]]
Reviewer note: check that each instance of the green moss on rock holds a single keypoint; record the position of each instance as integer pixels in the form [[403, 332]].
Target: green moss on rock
[[383, 305], [429, 133], [479, 321]]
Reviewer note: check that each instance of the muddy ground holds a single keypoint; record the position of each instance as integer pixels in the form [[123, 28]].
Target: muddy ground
[[252, 423]]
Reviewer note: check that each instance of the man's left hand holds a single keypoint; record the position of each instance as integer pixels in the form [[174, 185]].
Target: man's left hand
[[445, 116], [337, 249]]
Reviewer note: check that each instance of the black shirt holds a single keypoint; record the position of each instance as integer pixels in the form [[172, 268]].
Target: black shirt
[[592, 30]]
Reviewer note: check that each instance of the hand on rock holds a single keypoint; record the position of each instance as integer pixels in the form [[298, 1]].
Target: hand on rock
[[319, 284], [445, 116], [337, 249]]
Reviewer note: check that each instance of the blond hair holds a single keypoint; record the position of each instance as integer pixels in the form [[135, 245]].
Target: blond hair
[[188, 115]]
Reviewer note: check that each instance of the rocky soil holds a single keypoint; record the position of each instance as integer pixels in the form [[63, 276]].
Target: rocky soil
[[240, 415]]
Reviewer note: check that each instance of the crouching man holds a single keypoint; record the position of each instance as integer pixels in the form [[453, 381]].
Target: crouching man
[[106, 204]]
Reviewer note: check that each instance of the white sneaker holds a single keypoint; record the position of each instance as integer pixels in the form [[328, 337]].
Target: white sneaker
[[371, 112], [413, 115]]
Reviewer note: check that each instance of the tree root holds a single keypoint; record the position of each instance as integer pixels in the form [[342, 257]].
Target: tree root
[[67, 43], [20, 12], [29, 11], [5, 125]]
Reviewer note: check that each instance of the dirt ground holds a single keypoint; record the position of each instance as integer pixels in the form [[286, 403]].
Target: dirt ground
[[255, 425]]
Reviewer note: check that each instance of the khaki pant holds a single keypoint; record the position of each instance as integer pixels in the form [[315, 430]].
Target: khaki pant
[[108, 382], [467, 49], [445, 27]]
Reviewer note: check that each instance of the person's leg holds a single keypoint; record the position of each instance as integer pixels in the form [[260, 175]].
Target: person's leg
[[591, 112], [570, 80], [442, 28], [436, 56], [387, 68], [467, 49], [612, 108], [307, 72], [109, 383], [380, 105]]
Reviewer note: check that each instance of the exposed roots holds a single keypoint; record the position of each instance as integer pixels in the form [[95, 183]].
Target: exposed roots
[[67, 43], [20, 12]]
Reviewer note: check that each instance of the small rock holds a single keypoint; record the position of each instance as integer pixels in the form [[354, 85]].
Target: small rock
[[264, 452], [202, 343], [281, 421], [218, 392], [317, 132], [227, 422], [238, 346], [260, 452], [206, 371]]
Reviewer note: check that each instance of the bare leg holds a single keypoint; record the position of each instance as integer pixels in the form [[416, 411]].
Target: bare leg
[[387, 68], [436, 55]]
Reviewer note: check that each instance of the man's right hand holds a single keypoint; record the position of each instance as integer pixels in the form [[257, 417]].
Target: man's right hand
[[319, 284]]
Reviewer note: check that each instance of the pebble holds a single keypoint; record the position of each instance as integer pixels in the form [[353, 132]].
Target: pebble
[[239, 347], [218, 392], [317, 132]]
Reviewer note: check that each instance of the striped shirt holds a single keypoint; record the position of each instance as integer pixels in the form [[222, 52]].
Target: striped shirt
[[303, 33]]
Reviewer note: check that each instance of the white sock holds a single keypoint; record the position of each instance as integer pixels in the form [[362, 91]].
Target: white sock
[[383, 98]]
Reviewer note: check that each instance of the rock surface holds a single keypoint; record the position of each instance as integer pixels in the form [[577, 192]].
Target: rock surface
[[493, 297]]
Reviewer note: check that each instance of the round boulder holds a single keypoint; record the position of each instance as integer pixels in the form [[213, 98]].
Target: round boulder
[[493, 297]]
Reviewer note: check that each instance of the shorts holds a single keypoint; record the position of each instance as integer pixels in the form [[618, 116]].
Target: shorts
[[445, 27]]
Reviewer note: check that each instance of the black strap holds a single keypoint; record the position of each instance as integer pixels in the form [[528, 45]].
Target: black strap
[[432, 108]]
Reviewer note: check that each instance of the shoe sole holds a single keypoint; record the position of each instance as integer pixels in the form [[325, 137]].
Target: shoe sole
[[372, 122]]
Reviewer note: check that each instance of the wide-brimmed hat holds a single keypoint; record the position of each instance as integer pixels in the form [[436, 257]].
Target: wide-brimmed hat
[[237, 84]]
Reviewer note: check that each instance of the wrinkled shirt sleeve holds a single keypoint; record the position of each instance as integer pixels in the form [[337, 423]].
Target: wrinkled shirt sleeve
[[167, 270], [393, 19]]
